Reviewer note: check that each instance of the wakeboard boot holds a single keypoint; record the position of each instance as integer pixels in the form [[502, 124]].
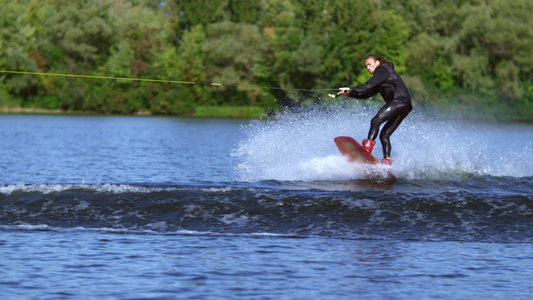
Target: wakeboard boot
[[386, 161], [368, 145]]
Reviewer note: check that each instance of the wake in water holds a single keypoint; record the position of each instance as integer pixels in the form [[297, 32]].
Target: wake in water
[[299, 146], [474, 215]]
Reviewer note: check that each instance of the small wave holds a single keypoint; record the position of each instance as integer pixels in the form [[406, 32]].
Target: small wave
[[369, 213], [101, 188], [56, 188]]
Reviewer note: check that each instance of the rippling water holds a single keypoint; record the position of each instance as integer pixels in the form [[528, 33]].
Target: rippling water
[[158, 208]]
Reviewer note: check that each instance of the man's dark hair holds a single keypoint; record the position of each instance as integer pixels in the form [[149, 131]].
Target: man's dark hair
[[379, 58]]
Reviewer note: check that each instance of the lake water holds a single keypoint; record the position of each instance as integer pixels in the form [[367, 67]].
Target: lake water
[[105, 207]]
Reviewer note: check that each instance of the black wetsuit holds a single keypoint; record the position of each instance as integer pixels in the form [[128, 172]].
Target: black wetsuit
[[397, 102]]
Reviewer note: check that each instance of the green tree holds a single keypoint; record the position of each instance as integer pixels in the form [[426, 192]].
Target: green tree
[[231, 51], [82, 31], [390, 38], [419, 15], [349, 41], [510, 45], [200, 12], [189, 66], [492, 49], [294, 58], [17, 41], [244, 11]]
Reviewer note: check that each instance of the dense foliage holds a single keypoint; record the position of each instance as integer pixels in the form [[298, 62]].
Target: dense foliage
[[472, 57]]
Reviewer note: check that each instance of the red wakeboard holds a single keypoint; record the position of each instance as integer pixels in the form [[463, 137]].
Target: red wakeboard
[[354, 152], [350, 148]]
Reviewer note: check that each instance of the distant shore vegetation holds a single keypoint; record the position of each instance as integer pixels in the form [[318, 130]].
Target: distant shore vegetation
[[471, 59]]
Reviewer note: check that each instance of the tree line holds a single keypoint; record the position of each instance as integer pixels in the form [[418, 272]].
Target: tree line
[[469, 57]]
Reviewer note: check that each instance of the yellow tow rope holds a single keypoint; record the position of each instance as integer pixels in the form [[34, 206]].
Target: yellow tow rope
[[163, 81]]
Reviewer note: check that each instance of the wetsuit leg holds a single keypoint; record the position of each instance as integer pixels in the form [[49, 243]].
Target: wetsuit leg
[[393, 113]]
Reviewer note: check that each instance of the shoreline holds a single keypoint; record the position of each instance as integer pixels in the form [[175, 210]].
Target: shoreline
[[19, 110], [38, 111], [212, 113]]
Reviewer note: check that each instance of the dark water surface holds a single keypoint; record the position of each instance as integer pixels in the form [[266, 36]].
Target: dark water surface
[[168, 208]]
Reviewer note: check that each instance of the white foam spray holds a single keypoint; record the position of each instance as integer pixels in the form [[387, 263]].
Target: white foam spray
[[299, 146]]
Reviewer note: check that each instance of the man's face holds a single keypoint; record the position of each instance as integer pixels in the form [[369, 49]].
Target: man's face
[[371, 64]]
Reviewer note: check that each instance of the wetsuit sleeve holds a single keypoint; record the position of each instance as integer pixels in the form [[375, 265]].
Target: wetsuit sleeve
[[370, 88]]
